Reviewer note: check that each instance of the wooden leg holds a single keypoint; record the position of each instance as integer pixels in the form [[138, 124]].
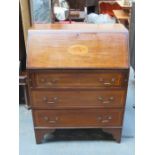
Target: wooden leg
[[39, 134], [117, 135], [116, 132]]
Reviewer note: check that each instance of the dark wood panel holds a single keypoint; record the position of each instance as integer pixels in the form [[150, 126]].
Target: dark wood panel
[[78, 79], [22, 50], [77, 99], [78, 118]]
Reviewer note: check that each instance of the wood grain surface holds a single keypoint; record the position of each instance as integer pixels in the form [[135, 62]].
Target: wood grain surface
[[78, 99], [79, 79], [49, 48], [78, 118]]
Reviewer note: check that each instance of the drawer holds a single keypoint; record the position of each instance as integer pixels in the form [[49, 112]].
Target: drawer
[[78, 98], [72, 79], [78, 118]]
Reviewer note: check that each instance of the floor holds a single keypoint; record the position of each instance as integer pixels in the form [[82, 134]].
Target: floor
[[80, 142]]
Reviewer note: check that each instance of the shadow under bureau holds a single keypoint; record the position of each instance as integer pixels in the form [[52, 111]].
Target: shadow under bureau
[[77, 77]]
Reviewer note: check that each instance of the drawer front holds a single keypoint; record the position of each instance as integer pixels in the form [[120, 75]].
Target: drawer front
[[76, 79], [78, 118], [82, 98]]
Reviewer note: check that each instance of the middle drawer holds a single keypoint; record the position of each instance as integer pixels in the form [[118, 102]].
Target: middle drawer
[[77, 98]]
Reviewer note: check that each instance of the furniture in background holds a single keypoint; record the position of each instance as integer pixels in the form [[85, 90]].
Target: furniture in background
[[22, 44], [132, 36], [69, 14], [77, 77], [25, 17], [92, 6], [124, 4], [22, 57], [77, 15], [23, 84], [77, 4], [107, 7], [117, 9], [24, 24], [122, 17], [78, 10]]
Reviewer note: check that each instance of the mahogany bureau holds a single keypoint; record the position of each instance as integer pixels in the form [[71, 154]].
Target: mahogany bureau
[[77, 77]]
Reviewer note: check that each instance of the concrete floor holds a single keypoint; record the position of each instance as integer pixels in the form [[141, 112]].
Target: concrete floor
[[83, 142]]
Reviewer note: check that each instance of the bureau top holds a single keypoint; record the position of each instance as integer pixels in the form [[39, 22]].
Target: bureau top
[[77, 46]]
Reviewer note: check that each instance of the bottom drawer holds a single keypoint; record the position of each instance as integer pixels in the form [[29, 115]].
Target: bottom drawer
[[78, 118]]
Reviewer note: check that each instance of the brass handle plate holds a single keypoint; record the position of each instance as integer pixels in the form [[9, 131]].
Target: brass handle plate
[[48, 82], [104, 119], [50, 102], [54, 99], [107, 83], [106, 102], [110, 100], [51, 121]]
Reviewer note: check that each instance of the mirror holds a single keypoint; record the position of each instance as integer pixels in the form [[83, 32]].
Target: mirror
[[61, 10]]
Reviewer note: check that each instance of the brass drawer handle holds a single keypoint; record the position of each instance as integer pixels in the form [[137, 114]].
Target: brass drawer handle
[[50, 121], [106, 102], [42, 80], [50, 102], [107, 83], [104, 119], [49, 82], [54, 99], [45, 98], [100, 98], [109, 117]]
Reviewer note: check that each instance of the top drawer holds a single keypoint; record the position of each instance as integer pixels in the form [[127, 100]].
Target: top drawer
[[78, 79]]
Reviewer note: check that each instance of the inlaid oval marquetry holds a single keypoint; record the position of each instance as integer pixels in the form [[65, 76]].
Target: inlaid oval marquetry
[[78, 50]]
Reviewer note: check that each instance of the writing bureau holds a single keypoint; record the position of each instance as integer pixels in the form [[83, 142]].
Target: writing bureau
[[77, 77]]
